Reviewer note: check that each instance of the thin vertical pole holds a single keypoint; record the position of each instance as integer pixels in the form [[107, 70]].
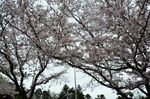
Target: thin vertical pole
[[67, 94], [75, 84]]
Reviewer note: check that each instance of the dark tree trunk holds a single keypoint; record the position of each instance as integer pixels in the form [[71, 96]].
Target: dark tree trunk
[[147, 86], [21, 95]]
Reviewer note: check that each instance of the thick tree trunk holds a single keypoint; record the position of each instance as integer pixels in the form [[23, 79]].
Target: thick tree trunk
[[147, 86], [21, 95]]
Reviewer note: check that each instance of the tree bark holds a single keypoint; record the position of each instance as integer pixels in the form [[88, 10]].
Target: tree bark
[[147, 86]]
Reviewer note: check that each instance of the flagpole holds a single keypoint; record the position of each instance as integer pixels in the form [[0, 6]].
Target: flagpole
[[75, 84]]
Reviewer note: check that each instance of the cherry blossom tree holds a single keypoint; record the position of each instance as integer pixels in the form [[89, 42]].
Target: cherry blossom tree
[[106, 39], [111, 42], [24, 27]]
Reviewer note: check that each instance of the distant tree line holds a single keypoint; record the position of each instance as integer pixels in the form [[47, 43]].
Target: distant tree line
[[69, 93]]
